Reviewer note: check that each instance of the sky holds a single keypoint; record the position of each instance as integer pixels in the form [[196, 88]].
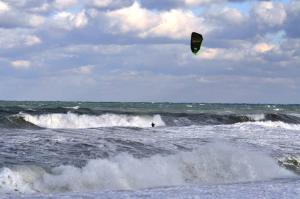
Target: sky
[[139, 50]]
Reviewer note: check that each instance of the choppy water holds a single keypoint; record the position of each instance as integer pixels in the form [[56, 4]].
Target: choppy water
[[96, 150]]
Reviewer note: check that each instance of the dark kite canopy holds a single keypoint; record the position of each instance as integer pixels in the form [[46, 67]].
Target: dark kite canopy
[[196, 41]]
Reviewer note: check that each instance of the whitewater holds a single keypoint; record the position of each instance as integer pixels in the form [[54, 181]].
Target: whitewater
[[110, 150]]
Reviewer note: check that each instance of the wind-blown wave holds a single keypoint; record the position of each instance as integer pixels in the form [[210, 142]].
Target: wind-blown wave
[[211, 164], [75, 121], [78, 117], [272, 125], [279, 125]]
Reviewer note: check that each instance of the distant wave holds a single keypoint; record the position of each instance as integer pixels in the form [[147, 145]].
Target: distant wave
[[76, 117], [279, 125], [257, 117], [210, 164], [271, 124], [75, 121], [73, 107]]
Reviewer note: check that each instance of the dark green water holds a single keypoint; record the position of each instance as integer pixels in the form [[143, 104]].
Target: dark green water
[[146, 107]]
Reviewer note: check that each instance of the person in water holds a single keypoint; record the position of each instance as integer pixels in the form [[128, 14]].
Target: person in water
[[152, 124]]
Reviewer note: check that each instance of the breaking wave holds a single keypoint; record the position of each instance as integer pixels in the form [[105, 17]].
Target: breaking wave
[[291, 162], [257, 117], [273, 125], [210, 164], [75, 121], [77, 117]]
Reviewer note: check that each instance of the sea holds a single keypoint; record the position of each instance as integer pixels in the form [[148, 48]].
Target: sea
[[110, 150]]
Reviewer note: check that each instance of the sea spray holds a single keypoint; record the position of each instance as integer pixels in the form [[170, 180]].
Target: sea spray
[[270, 124], [214, 163], [76, 121]]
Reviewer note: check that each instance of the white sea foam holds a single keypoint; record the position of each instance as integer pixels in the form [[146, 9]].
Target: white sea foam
[[257, 117], [295, 114], [73, 107], [71, 120], [210, 164], [272, 124], [20, 179]]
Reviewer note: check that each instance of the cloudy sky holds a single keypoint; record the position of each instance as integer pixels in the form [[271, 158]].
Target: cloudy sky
[[138, 50]]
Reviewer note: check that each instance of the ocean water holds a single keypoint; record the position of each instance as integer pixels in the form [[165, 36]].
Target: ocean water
[[110, 150]]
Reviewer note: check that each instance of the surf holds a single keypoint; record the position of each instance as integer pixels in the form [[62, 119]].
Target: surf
[[215, 163], [76, 121]]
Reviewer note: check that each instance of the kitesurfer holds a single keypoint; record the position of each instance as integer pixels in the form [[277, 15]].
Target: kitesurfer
[[152, 124]]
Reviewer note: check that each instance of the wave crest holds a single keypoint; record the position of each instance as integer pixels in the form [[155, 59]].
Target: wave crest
[[85, 118], [211, 164], [76, 121], [272, 125]]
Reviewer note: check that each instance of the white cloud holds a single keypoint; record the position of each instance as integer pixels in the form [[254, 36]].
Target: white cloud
[[19, 19], [146, 23], [15, 38], [7, 38], [270, 13], [200, 2], [108, 4], [32, 40], [68, 21], [210, 53], [232, 15], [21, 64], [133, 18], [263, 47], [233, 40], [36, 20], [63, 4], [231, 54], [80, 20], [245, 51], [107, 49], [84, 69], [4, 7], [62, 20], [41, 8], [16, 3], [100, 3], [177, 24], [294, 7]]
